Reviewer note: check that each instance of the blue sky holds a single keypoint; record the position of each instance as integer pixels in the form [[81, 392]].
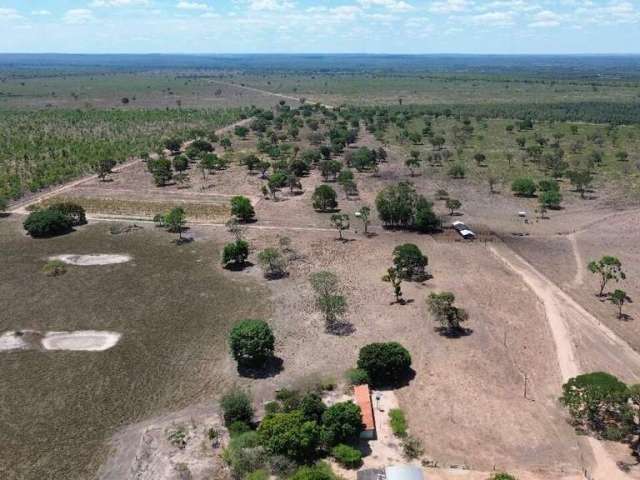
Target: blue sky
[[298, 26]]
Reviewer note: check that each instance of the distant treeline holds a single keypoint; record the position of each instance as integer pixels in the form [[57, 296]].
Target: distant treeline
[[615, 113]]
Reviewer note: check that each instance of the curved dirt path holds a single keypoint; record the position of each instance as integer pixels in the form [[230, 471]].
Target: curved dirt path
[[576, 331], [580, 266]]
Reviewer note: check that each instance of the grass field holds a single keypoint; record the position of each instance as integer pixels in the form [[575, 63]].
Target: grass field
[[172, 305]]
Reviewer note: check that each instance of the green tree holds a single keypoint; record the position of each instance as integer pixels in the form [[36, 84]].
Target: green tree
[[312, 406], [550, 199], [46, 223], [340, 222], [502, 476], [324, 198], [251, 343], [393, 277], [452, 205], [175, 220], [341, 423], [103, 167], [619, 298], [396, 204], [581, 180], [607, 268], [457, 170], [425, 219], [413, 163], [3, 203], [330, 169], [180, 163], [409, 262], [161, 171], [242, 209], [524, 186], [291, 435], [441, 305], [74, 212], [363, 214], [235, 253], [385, 363]]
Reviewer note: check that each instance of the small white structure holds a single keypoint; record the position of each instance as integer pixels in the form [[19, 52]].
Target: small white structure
[[459, 226], [403, 472], [522, 214]]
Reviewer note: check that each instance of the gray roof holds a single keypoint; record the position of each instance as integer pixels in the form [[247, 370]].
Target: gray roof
[[404, 472]]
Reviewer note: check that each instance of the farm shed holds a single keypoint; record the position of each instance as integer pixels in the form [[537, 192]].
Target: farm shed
[[464, 231], [362, 395], [403, 472]]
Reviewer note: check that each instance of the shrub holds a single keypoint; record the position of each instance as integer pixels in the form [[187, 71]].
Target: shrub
[[357, 376], [324, 198], [235, 253], [524, 186], [273, 263], [236, 407], [342, 423], [54, 268], [457, 170], [319, 471], [161, 171], [502, 476], [259, 474], [3, 203], [251, 342], [551, 199], [281, 466], [238, 427], [291, 435], [72, 211], [347, 456], [549, 185], [409, 261], [398, 422], [385, 363], [46, 223], [412, 447], [242, 209], [244, 455]]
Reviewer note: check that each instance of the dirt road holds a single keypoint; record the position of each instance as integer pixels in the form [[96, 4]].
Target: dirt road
[[581, 340]]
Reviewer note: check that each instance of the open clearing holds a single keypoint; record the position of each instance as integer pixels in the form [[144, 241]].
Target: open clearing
[[92, 260], [85, 340]]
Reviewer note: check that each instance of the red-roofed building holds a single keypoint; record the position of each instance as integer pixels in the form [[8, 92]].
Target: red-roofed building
[[363, 400]]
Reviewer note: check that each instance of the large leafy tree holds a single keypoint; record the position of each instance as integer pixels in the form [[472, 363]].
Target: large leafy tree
[[385, 363], [290, 434], [607, 268], [251, 342], [341, 423]]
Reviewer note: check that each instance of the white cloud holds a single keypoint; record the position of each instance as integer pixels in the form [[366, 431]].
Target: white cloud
[[545, 19], [78, 16], [9, 14], [187, 5], [450, 6], [118, 3], [40, 13], [270, 5], [393, 5], [493, 19]]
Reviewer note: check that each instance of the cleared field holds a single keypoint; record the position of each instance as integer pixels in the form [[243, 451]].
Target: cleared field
[[173, 306]]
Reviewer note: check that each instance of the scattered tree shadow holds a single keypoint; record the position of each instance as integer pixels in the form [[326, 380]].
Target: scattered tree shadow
[[456, 214], [340, 328], [625, 317], [108, 180], [184, 240], [5, 214], [276, 275], [345, 240], [371, 234], [398, 382], [238, 267], [453, 332], [247, 222], [269, 369]]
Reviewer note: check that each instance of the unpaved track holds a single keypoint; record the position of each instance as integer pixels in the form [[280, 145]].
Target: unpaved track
[[265, 92], [575, 331], [579, 278]]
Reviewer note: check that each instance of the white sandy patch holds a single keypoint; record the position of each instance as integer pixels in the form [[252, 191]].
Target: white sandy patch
[[83, 340], [11, 341], [92, 260]]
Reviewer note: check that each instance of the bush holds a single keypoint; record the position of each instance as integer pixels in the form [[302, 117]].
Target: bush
[[46, 223], [398, 422], [291, 435], [409, 261], [385, 363], [524, 186], [551, 199], [457, 170], [242, 209], [251, 343], [273, 263], [412, 447], [3, 203], [244, 455], [502, 476], [74, 212], [236, 407], [281, 466], [235, 253], [312, 407], [342, 423], [259, 474], [324, 198], [54, 268], [357, 376], [319, 471], [238, 428], [347, 456]]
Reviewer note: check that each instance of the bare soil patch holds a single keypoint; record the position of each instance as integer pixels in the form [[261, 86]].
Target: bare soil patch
[[92, 260]]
